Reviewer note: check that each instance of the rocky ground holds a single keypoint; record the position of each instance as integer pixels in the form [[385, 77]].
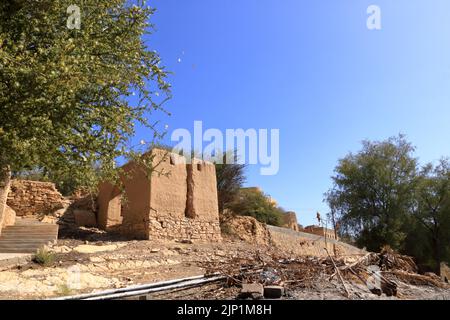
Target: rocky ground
[[96, 261]]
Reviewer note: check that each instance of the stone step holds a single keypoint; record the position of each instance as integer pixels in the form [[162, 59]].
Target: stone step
[[28, 231], [27, 238], [33, 226], [19, 250], [7, 230], [16, 245], [14, 235]]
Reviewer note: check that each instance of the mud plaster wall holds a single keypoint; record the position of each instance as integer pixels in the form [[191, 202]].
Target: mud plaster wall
[[329, 233], [163, 207], [184, 204], [28, 197], [304, 244], [290, 221], [5, 185], [445, 272], [109, 206]]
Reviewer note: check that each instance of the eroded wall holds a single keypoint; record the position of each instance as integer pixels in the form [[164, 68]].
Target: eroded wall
[[320, 231], [305, 244], [177, 201], [184, 203], [109, 201], [136, 202], [28, 197], [290, 221]]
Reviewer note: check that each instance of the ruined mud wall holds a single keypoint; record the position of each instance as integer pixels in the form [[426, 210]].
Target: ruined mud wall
[[183, 203], [247, 229], [320, 231], [179, 201], [28, 197], [5, 185], [300, 243], [290, 221]]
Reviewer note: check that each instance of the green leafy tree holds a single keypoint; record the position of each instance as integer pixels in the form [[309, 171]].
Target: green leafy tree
[[373, 192], [252, 202], [70, 98], [432, 212], [230, 178]]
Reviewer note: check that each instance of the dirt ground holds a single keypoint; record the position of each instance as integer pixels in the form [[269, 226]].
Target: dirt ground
[[97, 261]]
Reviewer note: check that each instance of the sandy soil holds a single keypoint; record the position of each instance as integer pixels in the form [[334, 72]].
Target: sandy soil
[[82, 266]]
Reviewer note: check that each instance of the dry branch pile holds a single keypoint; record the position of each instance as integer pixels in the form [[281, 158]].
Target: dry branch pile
[[378, 273]]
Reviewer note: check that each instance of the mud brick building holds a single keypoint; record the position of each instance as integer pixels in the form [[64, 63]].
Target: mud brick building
[[180, 205], [290, 221], [321, 231]]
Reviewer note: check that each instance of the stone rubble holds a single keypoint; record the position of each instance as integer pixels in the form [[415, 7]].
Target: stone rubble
[[28, 197]]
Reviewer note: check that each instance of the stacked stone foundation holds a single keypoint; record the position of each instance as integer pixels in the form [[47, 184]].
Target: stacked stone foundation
[[185, 228]]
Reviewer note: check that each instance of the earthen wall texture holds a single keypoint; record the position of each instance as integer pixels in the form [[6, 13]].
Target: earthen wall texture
[[290, 221], [8, 218], [445, 272], [28, 197], [183, 203], [320, 231], [304, 244], [5, 184], [109, 206], [177, 201]]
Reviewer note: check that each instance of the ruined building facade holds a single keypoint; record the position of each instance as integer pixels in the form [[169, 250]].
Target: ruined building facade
[[321, 231], [290, 221], [181, 205]]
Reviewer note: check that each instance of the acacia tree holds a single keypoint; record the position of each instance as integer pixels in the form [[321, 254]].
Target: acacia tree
[[432, 208], [230, 178], [373, 192], [65, 92]]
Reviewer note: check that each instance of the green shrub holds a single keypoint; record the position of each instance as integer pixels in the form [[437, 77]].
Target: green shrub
[[44, 257], [64, 290], [254, 203]]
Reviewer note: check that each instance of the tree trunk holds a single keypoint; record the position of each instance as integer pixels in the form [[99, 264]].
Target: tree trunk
[[5, 183], [437, 254]]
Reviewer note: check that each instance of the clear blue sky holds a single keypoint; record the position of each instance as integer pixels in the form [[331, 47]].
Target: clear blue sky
[[313, 70]]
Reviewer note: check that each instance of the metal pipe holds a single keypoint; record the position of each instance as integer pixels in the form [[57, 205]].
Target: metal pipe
[[168, 287]]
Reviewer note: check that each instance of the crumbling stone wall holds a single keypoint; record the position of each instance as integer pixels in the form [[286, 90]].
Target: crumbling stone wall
[[28, 197], [290, 221], [247, 229], [180, 204]]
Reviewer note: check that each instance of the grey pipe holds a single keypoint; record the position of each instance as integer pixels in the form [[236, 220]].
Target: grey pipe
[[127, 289]]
